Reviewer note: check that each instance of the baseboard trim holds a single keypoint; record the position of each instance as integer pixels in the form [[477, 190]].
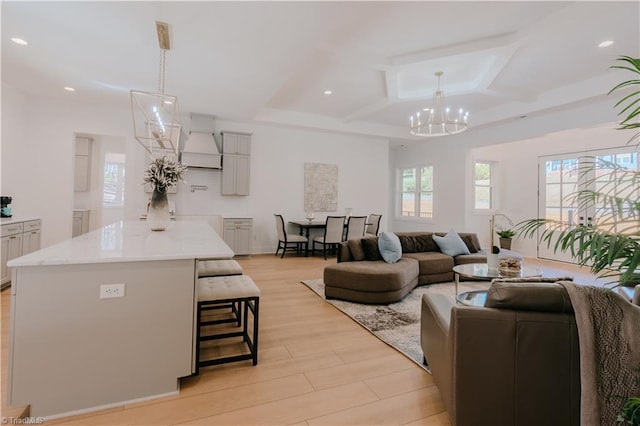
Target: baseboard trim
[[108, 406]]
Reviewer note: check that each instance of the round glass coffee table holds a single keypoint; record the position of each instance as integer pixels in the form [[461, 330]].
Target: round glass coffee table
[[481, 272]]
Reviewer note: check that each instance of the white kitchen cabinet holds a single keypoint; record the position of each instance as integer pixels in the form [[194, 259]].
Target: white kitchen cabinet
[[80, 222], [236, 163], [237, 233], [31, 236], [18, 239], [82, 170], [236, 143]]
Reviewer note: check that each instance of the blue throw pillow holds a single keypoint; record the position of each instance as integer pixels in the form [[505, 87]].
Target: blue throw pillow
[[451, 244], [390, 247]]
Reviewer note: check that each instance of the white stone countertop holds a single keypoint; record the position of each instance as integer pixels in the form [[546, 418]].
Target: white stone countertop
[[133, 241]]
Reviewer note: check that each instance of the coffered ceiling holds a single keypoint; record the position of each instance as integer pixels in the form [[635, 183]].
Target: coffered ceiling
[[271, 62]]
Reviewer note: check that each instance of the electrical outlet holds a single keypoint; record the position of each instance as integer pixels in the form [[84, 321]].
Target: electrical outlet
[[108, 291]]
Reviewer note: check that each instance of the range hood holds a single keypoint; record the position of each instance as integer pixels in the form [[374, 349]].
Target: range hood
[[199, 148]]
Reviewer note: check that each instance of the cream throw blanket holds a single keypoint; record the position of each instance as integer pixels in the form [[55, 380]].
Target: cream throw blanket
[[609, 334]]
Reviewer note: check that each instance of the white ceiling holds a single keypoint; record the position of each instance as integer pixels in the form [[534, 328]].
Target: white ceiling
[[271, 61]]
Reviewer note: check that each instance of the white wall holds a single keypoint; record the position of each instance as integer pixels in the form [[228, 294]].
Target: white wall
[[449, 182], [277, 178], [37, 168], [37, 155]]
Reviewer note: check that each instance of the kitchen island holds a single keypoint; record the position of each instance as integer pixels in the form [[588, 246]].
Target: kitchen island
[[107, 317]]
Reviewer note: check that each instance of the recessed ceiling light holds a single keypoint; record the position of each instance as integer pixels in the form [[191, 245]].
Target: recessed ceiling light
[[327, 92], [19, 41], [606, 43], [168, 102], [69, 89]]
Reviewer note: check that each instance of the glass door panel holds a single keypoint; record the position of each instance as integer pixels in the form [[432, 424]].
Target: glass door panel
[[559, 177], [563, 176]]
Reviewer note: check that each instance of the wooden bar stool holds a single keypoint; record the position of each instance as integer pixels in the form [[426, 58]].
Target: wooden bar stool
[[237, 290]]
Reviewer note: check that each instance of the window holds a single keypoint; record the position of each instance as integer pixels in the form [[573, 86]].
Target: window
[[113, 189], [417, 192], [483, 185]]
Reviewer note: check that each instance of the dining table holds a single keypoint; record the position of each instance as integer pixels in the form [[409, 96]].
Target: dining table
[[307, 225]]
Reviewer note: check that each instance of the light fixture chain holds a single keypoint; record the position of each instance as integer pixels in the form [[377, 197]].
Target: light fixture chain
[[163, 54]]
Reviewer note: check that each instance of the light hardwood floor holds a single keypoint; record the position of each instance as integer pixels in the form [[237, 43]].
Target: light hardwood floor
[[316, 366]]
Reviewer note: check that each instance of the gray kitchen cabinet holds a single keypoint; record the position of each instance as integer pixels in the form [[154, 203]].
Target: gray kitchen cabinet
[[236, 163], [18, 238], [31, 236], [82, 170], [80, 222], [237, 233]]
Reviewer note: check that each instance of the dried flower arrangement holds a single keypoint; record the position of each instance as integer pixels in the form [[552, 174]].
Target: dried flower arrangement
[[164, 172]]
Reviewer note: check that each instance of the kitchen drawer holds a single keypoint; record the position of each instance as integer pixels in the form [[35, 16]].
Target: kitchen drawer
[[238, 222], [12, 229], [32, 225]]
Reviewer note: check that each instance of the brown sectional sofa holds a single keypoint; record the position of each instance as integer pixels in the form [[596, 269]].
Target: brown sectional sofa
[[360, 275]]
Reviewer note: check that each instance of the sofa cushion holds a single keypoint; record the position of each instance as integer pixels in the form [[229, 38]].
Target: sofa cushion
[[356, 249], [371, 281], [527, 295], [451, 244], [389, 247], [417, 242], [432, 262], [370, 248], [479, 257]]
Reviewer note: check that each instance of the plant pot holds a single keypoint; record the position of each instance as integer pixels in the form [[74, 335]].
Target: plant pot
[[505, 243], [158, 217]]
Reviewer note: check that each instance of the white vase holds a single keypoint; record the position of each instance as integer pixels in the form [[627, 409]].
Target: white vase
[[158, 217], [493, 261]]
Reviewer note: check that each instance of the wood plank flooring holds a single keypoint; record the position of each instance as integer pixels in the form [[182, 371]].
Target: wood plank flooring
[[316, 366]]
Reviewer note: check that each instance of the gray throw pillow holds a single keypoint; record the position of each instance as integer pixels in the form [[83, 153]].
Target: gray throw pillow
[[390, 247], [451, 244]]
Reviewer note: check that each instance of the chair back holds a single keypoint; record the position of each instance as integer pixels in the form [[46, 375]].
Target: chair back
[[282, 234], [355, 227], [334, 229], [374, 224]]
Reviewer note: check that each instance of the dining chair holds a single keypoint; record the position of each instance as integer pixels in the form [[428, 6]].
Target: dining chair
[[286, 240], [355, 227], [373, 225], [333, 232]]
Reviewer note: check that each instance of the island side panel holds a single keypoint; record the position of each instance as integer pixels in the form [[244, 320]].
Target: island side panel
[[71, 350]]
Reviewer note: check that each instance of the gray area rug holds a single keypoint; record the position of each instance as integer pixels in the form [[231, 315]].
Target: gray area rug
[[396, 324]]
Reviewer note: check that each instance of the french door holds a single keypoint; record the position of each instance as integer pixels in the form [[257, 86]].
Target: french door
[[563, 175]]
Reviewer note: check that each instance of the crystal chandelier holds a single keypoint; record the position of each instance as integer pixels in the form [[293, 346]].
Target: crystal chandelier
[[438, 120], [156, 120]]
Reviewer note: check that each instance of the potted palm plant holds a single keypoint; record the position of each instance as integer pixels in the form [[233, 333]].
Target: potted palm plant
[[610, 245]]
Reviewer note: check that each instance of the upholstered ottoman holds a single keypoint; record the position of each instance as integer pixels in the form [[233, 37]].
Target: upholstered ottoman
[[241, 295], [218, 268], [370, 281]]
